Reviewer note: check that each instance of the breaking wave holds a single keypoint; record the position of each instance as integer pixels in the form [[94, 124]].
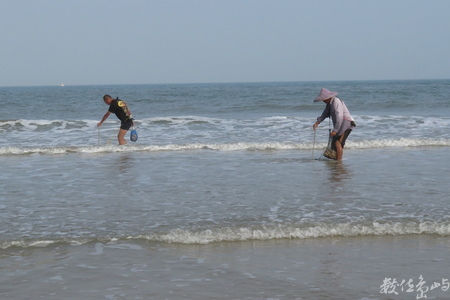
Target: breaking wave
[[258, 233], [240, 146]]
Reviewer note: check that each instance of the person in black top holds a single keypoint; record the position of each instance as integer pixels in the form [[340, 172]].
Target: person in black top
[[120, 109]]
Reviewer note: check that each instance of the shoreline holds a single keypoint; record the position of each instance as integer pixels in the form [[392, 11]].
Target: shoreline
[[315, 268]]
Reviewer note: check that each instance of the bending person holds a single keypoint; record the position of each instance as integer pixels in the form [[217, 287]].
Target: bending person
[[120, 109], [343, 122]]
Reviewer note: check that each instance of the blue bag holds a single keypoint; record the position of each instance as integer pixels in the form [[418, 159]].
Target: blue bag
[[133, 135]]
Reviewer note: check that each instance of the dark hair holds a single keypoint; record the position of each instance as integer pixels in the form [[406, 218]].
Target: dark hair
[[107, 97]]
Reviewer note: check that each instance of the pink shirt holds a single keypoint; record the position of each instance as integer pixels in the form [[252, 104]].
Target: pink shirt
[[340, 115]]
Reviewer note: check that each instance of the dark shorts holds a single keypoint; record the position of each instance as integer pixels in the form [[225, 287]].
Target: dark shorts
[[342, 138], [126, 124]]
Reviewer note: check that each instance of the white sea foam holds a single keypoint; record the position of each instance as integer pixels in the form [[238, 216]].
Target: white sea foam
[[397, 142], [197, 132], [240, 146], [261, 233], [299, 232]]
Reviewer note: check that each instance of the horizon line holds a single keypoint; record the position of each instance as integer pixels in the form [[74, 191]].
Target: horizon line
[[223, 82]]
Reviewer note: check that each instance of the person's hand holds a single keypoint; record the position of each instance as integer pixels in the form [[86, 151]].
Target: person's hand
[[99, 124], [333, 133], [315, 125]]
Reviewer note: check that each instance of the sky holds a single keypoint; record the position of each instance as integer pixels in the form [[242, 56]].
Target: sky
[[92, 42]]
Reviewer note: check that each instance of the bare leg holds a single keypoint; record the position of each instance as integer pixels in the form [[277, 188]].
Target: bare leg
[[339, 150], [121, 137]]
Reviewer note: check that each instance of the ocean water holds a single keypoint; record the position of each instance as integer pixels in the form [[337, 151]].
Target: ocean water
[[225, 194]]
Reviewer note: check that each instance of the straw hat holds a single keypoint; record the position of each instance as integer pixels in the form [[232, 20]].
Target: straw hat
[[324, 95]]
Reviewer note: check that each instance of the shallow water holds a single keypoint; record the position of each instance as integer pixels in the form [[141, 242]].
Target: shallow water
[[223, 201], [322, 268]]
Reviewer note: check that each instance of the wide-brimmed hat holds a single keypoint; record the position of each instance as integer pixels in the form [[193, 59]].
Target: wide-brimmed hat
[[324, 95]]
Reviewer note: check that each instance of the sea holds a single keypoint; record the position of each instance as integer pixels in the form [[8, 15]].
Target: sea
[[225, 194]]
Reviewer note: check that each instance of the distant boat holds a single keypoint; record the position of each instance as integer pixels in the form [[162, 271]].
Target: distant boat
[[61, 84]]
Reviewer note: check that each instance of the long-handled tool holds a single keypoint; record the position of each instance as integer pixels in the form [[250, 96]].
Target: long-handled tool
[[314, 143]]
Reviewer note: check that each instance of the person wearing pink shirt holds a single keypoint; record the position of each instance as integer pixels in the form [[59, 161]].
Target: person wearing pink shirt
[[343, 122]]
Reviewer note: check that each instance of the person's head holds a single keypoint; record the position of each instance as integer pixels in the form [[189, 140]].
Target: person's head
[[325, 96], [107, 98]]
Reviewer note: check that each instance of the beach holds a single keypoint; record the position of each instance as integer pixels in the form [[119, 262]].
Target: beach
[[225, 195]]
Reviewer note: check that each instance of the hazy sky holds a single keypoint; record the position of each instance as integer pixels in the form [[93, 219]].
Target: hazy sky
[[84, 42]]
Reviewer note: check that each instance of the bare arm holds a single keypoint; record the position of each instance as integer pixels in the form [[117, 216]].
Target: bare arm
[[104, 118]]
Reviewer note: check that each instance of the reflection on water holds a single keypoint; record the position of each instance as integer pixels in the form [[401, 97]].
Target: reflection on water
[[338, 171], [124, 163]]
